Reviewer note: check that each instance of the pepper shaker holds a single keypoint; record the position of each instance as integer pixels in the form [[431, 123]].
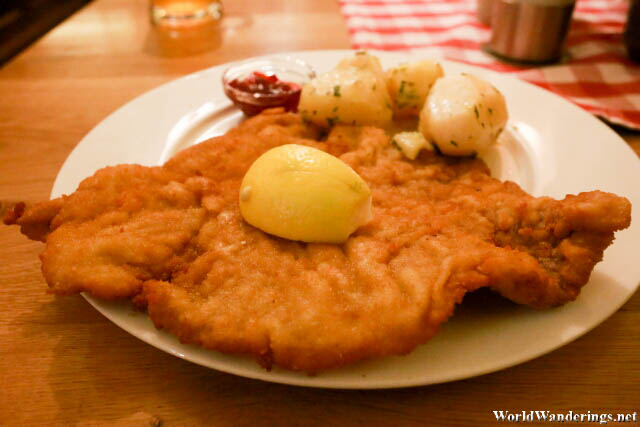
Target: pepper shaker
[[531, 31]]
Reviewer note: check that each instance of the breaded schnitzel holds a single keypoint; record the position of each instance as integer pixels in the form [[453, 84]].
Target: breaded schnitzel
[[172, 239]]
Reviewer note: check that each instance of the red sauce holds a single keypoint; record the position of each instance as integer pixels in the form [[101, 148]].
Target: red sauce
[[260, 91]]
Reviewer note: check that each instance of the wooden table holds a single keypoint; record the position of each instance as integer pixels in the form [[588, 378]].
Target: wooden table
[[62, 363]]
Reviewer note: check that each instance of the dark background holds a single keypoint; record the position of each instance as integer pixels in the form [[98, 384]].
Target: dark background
[[24, 21]]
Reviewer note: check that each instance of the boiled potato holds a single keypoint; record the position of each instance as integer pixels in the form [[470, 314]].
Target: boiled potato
[[409, 85], [363, 61], [463, 115], [411, 143], [353, 93]]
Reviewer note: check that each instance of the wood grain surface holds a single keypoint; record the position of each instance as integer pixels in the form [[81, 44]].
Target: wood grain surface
[[62, 363]]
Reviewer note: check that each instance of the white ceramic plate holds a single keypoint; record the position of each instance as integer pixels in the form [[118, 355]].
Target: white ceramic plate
[[550, 147]]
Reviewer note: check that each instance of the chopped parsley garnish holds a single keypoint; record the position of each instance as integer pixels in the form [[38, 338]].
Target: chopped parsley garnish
[[475, 110], [452, 142], [336, 91]]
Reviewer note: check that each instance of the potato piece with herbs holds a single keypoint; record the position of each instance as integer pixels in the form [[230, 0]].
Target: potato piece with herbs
[[363, 61], [409, 85], [411, 143], [463, 115], [353, 93]]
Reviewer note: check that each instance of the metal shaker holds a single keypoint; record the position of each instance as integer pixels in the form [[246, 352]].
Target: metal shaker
[[532, 31]]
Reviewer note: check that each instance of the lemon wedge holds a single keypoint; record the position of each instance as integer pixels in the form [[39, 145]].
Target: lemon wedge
[[302, 193]]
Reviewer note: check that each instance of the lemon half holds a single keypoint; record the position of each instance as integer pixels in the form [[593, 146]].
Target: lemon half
[[302, 193]]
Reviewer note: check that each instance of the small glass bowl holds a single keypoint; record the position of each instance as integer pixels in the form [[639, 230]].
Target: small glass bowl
[[286, 69]]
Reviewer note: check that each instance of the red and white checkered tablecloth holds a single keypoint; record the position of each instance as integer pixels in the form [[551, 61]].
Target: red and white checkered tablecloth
[[598, 76]]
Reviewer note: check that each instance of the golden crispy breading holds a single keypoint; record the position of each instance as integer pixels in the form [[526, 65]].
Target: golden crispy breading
[[172, 238]]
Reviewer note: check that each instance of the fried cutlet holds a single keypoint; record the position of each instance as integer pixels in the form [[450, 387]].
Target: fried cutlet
[[171, 238]]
